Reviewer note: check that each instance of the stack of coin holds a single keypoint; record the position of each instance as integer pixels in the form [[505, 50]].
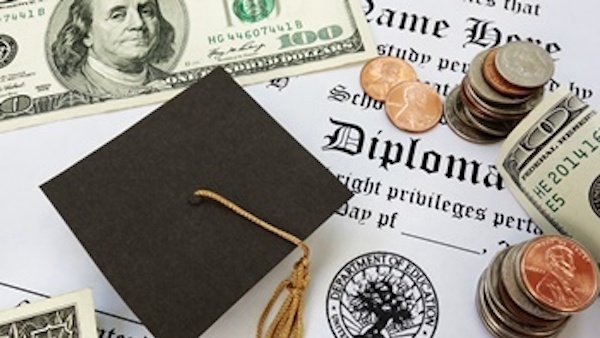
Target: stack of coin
[[532, 289], [503, 85], [411, 105]]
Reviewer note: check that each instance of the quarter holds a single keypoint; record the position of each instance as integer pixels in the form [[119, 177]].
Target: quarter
[[498, 82], [481, 87], [524, 64]]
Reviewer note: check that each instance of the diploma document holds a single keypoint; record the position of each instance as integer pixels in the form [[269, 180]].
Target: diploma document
[[430, 210]]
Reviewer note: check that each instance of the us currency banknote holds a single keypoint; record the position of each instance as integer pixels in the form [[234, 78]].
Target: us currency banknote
[[70, 315], [551, 162], [67, 58]]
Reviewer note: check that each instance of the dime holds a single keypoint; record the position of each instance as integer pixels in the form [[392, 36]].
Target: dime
[[481, 87], [454, 112], [559, 273], [524, 64], [381, 74], [413, 106], [499, 83]]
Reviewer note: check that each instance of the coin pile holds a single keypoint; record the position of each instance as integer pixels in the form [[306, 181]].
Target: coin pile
[[411, 105], [532, 289], [502, 85]]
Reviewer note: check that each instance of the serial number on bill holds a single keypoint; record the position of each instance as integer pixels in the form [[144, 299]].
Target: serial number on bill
[[23, 15], [567, 166]]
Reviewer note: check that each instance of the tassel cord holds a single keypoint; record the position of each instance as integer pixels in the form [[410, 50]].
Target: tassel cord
[[288, 322]]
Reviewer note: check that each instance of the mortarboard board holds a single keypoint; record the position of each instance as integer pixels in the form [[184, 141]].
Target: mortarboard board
[[179, 267]]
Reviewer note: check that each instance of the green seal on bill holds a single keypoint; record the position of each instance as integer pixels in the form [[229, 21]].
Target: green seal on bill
[[253, 10]]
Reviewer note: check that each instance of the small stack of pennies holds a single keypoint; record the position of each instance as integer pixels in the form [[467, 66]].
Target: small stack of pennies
[[532, 289], [410, 105], [502, 85]]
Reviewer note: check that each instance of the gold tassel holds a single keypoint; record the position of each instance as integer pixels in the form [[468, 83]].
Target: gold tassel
[[288, 322]]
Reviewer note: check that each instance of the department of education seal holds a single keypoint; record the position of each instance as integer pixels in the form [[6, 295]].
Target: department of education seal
[[594, 196], [8, 50], [382, 295]]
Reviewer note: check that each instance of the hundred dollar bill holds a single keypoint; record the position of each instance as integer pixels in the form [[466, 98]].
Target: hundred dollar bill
[[70, 315], [551, 163], [67, 58]]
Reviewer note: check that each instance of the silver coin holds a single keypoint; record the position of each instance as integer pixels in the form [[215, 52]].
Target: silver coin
[[492, 278], [492, 323], [511, 282], [455, 115], [524, 64], [482, 88], [496, 128], [516, 111]]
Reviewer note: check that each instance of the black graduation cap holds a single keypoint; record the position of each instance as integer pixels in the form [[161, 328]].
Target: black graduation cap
[[180, 266]]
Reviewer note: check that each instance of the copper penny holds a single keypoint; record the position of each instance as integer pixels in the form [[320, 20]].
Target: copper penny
[[520, 320], [512, 282], [381, 74], [524, 316], [497, 82], [559, 273], [414, 106]]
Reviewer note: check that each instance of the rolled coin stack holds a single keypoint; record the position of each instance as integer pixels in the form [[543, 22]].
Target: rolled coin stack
[[409, 104], [502, 85], [532, 289]]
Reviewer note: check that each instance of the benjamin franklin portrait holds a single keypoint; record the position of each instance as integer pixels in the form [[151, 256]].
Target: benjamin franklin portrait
[[112, 48]]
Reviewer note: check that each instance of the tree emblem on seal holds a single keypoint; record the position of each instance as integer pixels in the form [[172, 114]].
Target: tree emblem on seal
[[382, 295], [253, 10]]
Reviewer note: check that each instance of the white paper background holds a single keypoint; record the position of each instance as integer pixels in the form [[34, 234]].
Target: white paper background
[[40, 254]]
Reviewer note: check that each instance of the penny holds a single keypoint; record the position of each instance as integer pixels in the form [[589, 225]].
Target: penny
[[515, 317], [497, 306], [381, 74], [524, 64], [510, 323], [559, 273], [413, 106], [503, 317], [455, 115], [510, 279], [497, 82], [523, 315], [481, 87]]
